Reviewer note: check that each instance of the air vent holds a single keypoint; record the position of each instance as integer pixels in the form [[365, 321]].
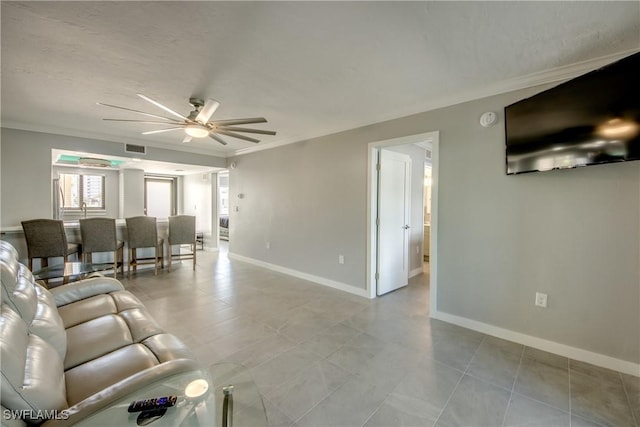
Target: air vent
[[427, 154], [132, 148]]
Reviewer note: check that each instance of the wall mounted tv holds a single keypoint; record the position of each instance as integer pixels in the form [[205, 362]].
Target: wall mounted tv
[[592, 119]]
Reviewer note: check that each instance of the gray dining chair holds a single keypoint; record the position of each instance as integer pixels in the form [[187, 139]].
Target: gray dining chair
[[182, 231], [99, 235], [142, 232], [46, 239]]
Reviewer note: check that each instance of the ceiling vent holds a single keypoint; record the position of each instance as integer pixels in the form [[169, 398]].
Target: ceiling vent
[[427, 154], [137, 149]]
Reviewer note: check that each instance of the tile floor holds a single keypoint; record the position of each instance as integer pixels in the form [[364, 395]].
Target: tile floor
[[321, 357]]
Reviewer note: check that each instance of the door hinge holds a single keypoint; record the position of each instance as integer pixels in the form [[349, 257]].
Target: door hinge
[[377, 276], [378, 166], [378, 222]]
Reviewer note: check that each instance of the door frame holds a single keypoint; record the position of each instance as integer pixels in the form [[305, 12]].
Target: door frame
[[372, 207], [164, 179]]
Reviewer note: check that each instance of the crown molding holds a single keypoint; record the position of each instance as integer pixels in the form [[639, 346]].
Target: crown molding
[[554, 75]]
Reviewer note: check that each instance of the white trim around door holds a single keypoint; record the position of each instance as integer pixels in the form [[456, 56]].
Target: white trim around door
[[372, 207]]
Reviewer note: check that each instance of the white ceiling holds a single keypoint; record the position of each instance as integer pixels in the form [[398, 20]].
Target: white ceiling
[[310, 68]]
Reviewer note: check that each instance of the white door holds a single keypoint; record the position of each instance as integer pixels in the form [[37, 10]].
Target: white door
[[394, 189]]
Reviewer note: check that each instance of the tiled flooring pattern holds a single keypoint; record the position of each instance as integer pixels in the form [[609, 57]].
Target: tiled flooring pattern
[[321, 357]]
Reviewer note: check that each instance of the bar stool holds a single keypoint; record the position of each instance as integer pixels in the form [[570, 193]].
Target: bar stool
[[182, 231], [99, 235], [46, 239], [143, 233]]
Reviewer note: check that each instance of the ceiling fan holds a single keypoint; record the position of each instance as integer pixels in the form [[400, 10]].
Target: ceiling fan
[[196, 124]]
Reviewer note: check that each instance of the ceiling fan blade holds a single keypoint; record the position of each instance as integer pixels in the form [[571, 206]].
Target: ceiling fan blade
[[167, 109], [217, 138], [160, 131], [144, 121], [239, 121], [236, 135], [187, 138], [137, 111], [234, 129], [210, 107]]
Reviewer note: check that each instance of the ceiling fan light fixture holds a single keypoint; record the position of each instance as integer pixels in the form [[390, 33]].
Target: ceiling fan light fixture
[[196, 130], [197, 124]]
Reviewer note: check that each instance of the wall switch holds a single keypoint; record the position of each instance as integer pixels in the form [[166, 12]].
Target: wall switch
[[340, 259], [418, 250], [268, 245], [541, 299]]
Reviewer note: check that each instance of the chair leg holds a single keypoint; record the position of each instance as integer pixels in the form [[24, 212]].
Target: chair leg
[[170, 258], [155, 264], [129, 263], [194, 256], [120, 253], [115, 264], [135, 260]]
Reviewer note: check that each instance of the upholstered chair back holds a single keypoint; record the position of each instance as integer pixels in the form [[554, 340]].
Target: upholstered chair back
[[98, 234], [45, 238], [182, 230], [142, 232]]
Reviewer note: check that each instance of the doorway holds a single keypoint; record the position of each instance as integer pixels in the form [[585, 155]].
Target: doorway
[[373, 243], [159, 196], [223, 211]]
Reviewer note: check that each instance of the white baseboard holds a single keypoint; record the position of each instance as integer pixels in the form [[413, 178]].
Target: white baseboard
[[542, 344], [301, 275], [415, 272]]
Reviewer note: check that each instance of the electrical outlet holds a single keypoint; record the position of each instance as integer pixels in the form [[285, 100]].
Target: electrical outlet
[[541, 299], [340, 259], [418, 250]]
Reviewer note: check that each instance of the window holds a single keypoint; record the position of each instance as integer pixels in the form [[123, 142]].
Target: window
[[80, 189]]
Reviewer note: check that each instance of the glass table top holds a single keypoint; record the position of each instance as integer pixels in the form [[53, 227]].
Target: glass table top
[[247, 409], [69, 269]]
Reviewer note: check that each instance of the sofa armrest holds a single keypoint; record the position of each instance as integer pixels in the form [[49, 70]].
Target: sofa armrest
[[72, 292], [151, 382]]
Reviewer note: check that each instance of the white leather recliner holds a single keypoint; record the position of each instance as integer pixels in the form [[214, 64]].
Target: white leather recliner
[[80, 353]]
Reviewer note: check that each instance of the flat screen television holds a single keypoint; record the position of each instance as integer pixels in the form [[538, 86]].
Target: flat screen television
[[589, 120]]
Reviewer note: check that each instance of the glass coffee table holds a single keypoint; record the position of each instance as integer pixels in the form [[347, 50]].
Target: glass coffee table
[[69, 270], [238, 400]]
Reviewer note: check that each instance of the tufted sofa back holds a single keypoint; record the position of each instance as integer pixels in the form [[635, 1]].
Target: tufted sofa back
[[33, 341]]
